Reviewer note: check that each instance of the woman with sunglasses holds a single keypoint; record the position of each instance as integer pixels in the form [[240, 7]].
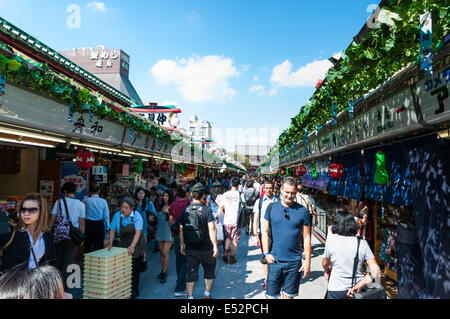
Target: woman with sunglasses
[[31, 242]]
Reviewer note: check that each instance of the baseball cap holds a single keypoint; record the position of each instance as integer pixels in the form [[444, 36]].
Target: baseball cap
[[198, 189]]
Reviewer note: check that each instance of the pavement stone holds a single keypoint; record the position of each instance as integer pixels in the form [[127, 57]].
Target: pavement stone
[[242, 280]]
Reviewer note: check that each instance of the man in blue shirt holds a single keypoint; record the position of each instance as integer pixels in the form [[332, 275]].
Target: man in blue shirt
[[97, 220], [288, 224]]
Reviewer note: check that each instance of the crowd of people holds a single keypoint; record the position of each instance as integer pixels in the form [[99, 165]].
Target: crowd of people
[[194, 218]]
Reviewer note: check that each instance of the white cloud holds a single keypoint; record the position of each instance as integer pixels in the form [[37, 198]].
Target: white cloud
[[308, 75], [167, 103], [259, 89], [97, 6], [198, 79], [256, 78]]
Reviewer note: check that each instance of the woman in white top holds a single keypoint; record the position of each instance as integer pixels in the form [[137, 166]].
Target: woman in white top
[[338, 258]]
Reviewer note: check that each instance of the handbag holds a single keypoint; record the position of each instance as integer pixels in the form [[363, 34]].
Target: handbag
[[370, 291], [61, 227], [75, 234], [219, 231]]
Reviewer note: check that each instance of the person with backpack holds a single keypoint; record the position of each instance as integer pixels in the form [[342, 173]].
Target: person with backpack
[[287, 225], [198, 241], [258, 211], [249, 197], [176, 210]]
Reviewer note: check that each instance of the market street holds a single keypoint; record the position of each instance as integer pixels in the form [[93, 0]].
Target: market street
[[242, 280]]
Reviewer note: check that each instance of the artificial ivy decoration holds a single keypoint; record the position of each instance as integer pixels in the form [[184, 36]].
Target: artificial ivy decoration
[[139, 168]]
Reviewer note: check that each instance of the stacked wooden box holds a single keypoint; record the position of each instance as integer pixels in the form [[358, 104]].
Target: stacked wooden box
[[107, 274]]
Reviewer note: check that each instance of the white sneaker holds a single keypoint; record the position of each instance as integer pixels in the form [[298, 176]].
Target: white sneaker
[[181, 294]]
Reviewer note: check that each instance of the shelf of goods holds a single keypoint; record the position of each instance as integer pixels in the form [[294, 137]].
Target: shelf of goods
[[107, 274]]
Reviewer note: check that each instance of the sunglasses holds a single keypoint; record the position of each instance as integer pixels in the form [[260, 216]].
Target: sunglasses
[[31, 210], [286, 213]]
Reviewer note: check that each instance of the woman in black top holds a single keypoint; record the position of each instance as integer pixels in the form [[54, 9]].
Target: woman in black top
[[31, 231]]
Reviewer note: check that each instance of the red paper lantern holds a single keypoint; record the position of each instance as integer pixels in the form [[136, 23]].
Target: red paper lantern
[[283, 172], [301, 170], [336, 170], [165, 166], [85, 159]]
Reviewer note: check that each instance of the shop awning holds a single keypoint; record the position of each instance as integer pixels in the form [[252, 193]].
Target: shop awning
[[349, 185]]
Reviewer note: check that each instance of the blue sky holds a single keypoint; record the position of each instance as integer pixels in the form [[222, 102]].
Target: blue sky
[[246, 66]]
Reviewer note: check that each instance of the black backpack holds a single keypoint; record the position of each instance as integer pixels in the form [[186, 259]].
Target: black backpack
[[194, 228], [251, 201]]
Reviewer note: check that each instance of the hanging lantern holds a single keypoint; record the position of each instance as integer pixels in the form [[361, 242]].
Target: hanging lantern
[[283, 171], [381, 175], [139, 168], [165, 166], [314, 170], [336, 170], [301, 170], [85, 159]]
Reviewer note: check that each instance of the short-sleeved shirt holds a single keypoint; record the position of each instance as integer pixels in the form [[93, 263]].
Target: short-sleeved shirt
[[230, 202], [135, 216], [97, 209], [207, 217], [177, 208], [76, 209], [265, 204], [287, 234], [148, 207], [341, 250]]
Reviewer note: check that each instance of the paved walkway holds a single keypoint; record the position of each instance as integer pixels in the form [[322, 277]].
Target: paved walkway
[[242, 280]]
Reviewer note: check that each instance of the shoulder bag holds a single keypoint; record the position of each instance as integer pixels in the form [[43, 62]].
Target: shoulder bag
[[75, 234], [372, 290], [61, 227]]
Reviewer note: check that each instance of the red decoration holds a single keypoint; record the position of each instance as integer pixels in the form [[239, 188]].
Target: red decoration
[[283, 172], [165, 166], [85, 159], [336, 170], [301, 170]]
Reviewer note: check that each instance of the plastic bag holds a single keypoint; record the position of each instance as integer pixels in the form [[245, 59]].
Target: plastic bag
[[219, 231]]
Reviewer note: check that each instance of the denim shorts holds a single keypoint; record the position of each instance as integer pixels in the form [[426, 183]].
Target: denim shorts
[[283, 276]]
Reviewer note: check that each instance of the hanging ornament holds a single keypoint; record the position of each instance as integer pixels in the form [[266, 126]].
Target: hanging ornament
[[70, 118], [336, 170], [351, 105], [334, 111], [314, 170], [165, 166], [301, 170], [287, 172], [2, 87], [426, 44], [139, 168], [283, 171], [131, 133], [305, 136], [85, 159], [381, 174], [181, 169]]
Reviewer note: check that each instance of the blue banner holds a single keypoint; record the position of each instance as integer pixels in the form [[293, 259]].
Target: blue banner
[[70, 172]]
